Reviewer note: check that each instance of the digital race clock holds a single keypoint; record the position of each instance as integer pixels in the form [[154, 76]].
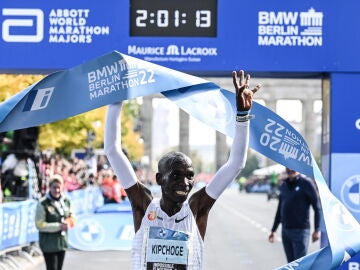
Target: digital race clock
[[178, 18]]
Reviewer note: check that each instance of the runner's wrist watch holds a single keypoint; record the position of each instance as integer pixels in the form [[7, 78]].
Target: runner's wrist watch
[[244, 118]]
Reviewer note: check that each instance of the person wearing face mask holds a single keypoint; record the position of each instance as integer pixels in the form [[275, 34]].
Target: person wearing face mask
[[53, 218], [170, 231], [297, 194]]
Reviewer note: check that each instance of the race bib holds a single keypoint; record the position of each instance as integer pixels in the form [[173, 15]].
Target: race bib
[[166, 249]]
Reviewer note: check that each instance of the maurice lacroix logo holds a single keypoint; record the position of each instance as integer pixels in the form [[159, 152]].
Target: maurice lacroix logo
[[285, 142], [290, 28], [172, 50], [172, 53]]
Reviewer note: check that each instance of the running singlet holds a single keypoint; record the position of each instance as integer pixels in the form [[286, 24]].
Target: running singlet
[[167, 243]]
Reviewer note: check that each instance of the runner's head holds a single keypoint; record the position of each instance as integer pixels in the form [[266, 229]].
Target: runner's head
[[175, 176]]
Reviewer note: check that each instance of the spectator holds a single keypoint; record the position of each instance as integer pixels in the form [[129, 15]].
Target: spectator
[[71, 182], [6, 139], [274, 186], [242, 183], [111, 189], [297, 194], [53, 218], [106, 186]]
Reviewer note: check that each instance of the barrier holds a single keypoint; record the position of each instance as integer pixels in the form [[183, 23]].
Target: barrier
[[111, 225], [99, 226], [103, 231], [86, 200], [17, 219]]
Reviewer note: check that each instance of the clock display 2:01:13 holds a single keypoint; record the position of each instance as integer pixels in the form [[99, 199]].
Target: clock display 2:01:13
[[192, 21]]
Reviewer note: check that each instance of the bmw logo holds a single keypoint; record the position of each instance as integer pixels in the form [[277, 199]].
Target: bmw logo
[[350, 193], [90, 232]]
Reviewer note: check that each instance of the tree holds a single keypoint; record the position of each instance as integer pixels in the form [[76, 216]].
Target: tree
[[252, 163], [65, 135], [131, 139], [12, 84], [71, 133]]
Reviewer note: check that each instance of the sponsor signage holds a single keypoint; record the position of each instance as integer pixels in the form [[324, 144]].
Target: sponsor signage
[[346, 183], [346, 187], [209, 36], [17, 225], [345, 115], [352, 264]]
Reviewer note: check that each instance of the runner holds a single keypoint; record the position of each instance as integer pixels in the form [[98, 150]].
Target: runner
[[170, 231]]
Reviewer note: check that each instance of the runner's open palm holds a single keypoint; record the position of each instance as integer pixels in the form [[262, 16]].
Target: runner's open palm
[[244, 96]]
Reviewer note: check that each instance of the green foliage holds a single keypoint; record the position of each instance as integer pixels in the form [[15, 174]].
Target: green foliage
[[131, 139], [252, 164], [65, 135], [12, 84], [71, 133]]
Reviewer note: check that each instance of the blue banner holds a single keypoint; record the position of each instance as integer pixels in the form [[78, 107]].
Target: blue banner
[[346, 184], [103, 231], [99, 82], [352, 264], [115, 77], [196, 36], [11, 225], [28, 228], [17, 225], [100, 226]]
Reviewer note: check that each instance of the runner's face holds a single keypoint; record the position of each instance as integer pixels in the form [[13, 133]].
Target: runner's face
[[178, 181]]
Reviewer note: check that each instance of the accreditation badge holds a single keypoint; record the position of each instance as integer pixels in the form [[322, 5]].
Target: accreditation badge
[[166, 249]]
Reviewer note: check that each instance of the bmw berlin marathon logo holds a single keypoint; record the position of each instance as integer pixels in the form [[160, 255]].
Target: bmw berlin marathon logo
[[350, 193], [290, 28]]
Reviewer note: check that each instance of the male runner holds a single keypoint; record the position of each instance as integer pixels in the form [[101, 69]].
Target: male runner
[[170, 231]]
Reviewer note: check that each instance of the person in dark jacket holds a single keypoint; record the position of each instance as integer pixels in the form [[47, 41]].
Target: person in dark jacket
[[53, 218], [297, 194]]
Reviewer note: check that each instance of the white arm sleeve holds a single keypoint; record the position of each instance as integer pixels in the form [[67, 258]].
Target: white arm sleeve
[[112, 147], [236, 162]]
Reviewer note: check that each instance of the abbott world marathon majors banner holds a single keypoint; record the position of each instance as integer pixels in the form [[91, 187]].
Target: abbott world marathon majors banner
[[115, 76]]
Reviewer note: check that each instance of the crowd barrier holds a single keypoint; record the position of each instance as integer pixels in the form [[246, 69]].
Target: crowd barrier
[[99, 226], [95, 229], [17, 226], [18, 234]]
